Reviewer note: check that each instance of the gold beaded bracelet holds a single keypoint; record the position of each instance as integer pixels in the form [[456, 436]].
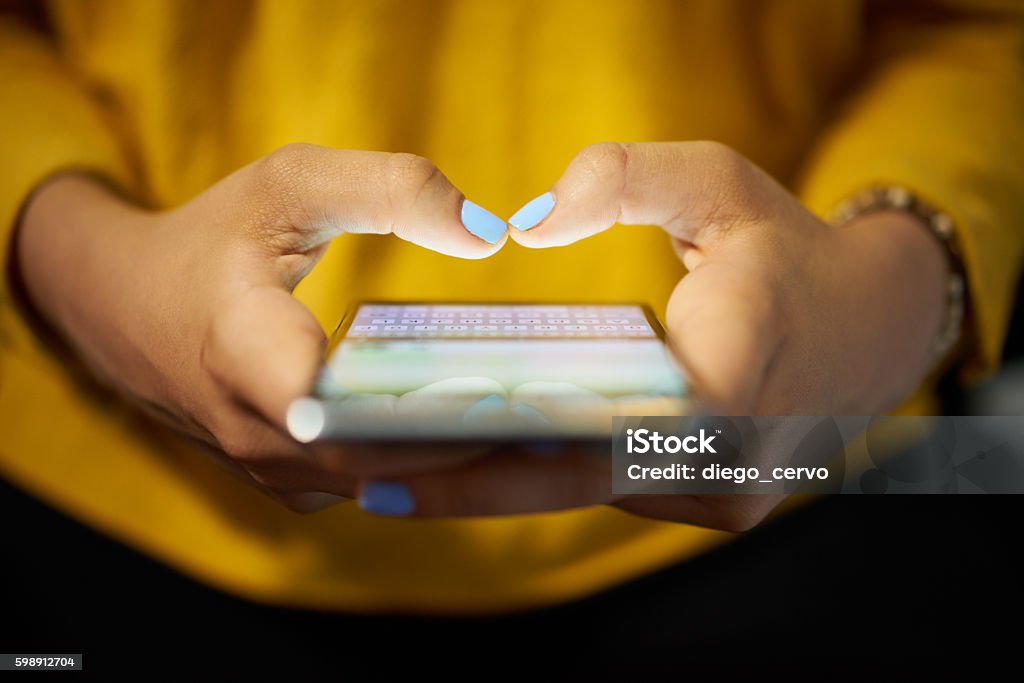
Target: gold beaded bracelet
[[942, 228]]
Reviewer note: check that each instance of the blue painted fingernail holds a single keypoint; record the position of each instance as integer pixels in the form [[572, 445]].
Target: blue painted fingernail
[[482, 222], [489, 405], [533, 212], [387, 498], [530, 413], [548, 448]]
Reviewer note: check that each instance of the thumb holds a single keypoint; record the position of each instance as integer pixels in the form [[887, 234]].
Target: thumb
[[309, 195], [691, 189], [266, 348], [725, 330]]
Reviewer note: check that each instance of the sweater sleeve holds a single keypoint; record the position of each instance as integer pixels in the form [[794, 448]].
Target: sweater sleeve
[[939, 109], [49, 124]]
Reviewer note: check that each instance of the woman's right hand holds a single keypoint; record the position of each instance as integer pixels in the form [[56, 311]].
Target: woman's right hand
[[189, 311]]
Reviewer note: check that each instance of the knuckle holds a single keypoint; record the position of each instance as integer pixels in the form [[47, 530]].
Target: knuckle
[[604, 159], [729, 169], [731, 186], [285, 164], [411, 169], [718, 153], [282, 176], [411, 175]]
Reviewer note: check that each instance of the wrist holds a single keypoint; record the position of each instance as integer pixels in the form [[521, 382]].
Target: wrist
[[70, 228], [901, 273], [941, 229]]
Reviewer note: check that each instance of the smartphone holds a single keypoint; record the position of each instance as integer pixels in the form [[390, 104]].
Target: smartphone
[[489, 371]]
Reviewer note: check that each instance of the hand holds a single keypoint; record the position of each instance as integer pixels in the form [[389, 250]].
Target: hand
[[189, 312], [779, 314]]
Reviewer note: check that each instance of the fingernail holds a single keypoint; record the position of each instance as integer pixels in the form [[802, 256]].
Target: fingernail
[[387, 498], [530, 413], [533, 212], [546, 448], [489, 405], [482, 222]]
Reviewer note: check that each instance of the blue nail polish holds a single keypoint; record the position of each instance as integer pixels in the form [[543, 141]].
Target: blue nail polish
[[387, 498], [531, 414], [546, 448], [533, 212], [482, 222], [489, 405]]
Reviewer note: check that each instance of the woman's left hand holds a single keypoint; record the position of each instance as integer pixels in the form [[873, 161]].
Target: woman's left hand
[[779, 314]]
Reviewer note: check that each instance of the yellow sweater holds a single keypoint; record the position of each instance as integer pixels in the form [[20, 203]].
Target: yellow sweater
[[166, 96]]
